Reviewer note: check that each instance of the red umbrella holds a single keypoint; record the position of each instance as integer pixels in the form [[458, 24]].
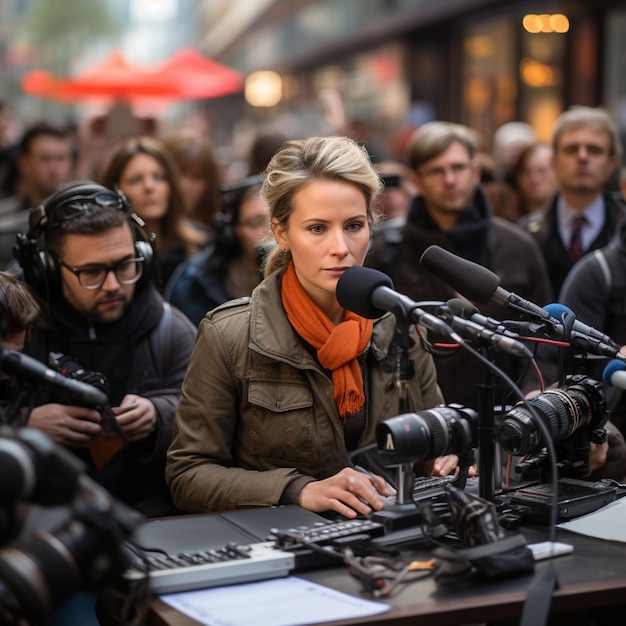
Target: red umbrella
[[197, 76], [112, 79]]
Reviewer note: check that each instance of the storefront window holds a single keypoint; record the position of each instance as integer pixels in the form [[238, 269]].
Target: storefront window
[[489, 81], [541, 68]]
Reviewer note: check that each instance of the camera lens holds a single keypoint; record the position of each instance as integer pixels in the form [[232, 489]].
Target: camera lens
[[580, 403], [447, 429]]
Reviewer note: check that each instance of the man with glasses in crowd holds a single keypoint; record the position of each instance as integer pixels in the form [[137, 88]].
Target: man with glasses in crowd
[[453, 212], [90, 258]]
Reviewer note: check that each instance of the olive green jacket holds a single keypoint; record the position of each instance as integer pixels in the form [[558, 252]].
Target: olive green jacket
[[257, 409]]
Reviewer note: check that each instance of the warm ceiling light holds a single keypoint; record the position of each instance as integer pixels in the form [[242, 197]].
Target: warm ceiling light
[[545, 23], [559, 23]]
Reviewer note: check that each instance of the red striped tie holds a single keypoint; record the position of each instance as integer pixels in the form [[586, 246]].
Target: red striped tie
[[576, 243]]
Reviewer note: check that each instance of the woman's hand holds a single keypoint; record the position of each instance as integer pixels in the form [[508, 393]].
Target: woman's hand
[[349, 492], [444, 465]]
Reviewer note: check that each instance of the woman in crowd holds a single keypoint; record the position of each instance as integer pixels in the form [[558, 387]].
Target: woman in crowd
[[144, 169], [229, 267], [281, 388], [534, 177], [199, 178]]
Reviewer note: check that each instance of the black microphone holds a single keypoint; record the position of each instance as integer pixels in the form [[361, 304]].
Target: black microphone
[[24, 367], [506, 341], [369, 293], [468, 311], [475, 282]]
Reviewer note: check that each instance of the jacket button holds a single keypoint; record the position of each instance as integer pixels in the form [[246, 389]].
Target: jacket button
[[278, 405], [390, 386]]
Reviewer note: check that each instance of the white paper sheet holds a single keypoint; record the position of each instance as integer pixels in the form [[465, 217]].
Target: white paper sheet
[[608, 523], [287, 601]]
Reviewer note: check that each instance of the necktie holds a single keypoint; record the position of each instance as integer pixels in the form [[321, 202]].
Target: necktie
[[576, 243]]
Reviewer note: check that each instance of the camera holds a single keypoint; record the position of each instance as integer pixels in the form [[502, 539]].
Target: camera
[[411, 437], [580, 404], [70, 368], [40, 570]]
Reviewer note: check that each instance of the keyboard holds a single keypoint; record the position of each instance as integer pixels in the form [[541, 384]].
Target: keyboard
[[231, 564], [426, 488]]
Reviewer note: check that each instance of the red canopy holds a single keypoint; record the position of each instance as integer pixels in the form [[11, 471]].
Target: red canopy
[[186, 75], [197, 76]]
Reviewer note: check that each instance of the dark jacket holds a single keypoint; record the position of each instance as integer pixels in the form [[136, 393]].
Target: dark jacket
[[257, 409], [492, 242], [198, 285], [595, 290], [543, 226], [136, 355]]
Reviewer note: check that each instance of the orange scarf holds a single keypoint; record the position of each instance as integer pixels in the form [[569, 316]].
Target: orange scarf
[[337, 346]]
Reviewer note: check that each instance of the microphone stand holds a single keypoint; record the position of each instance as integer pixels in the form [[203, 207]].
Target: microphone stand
[[486, 430], [403, 513]]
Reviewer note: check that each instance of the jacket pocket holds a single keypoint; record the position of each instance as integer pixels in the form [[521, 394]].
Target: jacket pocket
[[281, 427]]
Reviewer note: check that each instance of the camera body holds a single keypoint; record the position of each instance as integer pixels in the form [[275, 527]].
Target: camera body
[[70, 368], [574, 415]]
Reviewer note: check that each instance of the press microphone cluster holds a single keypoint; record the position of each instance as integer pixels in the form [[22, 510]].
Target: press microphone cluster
[[369, 293], [481, 285]]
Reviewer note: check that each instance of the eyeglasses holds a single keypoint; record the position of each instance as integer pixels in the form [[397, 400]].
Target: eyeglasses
[[127, 272], [439, 173], [73, 206]]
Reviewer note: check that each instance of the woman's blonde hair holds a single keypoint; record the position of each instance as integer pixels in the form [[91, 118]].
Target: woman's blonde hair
[[300, 162]]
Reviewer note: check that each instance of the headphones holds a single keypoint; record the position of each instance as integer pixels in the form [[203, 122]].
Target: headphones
[[226, 219], [40, 267]]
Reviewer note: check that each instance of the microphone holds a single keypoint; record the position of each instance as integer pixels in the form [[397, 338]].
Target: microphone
[[475, 282], [369, 293], [468, 311], [557, 310], [614, 375], [25, 367], [506, 341], [481, 285]]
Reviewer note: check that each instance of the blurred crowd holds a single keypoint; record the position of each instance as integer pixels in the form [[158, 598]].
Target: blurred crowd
[[533, 212]]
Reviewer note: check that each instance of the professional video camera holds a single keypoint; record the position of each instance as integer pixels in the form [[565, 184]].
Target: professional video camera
[[412, 437], [574, 415], [38, 572]]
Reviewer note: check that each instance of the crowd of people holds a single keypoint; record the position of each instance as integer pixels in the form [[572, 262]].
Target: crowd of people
[[207, 310]]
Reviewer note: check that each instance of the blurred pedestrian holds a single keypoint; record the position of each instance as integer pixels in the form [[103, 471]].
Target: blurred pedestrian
[[200, 178], [145, 170], [453, 212], [44, 160], [581, 216], [534, 177], [230, 267]]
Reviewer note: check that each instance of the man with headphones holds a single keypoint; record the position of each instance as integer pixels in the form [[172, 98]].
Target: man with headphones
[[90, 259]]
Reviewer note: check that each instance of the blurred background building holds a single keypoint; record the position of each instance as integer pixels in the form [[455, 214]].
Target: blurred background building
[[374, 69]]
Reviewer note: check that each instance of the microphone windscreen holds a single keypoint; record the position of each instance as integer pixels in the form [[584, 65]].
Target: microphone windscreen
[[610, 369], [355, 288], [462, 308], [472, 280], [556, 310]]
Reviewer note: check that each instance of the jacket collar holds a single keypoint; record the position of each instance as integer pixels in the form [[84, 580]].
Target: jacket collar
[[272, 334]]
